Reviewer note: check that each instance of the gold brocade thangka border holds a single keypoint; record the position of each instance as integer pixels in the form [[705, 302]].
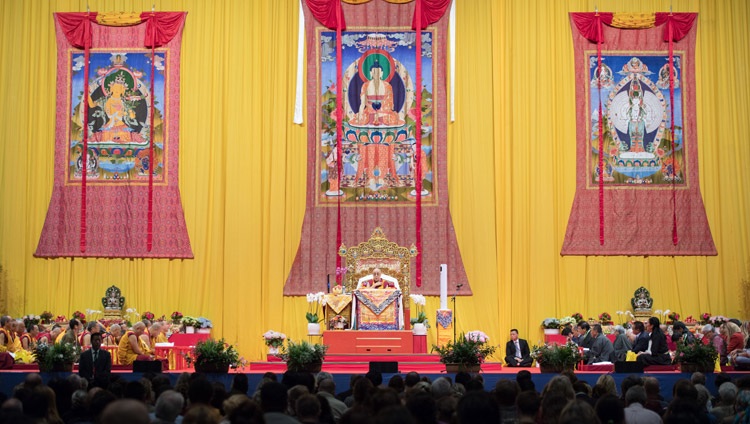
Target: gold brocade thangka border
[[633, 20], [366, 1]]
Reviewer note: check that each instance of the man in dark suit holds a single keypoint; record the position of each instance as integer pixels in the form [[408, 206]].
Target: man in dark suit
[[95, 364], [641, 337], [601, 349], [584, 335], [517, 353]]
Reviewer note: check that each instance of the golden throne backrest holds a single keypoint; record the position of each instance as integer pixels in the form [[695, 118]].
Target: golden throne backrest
[[378, 252]]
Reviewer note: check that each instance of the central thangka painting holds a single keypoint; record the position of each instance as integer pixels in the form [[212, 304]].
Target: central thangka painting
[[379, 144]]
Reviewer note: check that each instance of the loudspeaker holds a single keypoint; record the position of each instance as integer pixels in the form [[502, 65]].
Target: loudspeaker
[[628, 367], [384, 367], [147, 366]]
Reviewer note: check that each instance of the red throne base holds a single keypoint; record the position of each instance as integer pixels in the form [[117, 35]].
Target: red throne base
[[369, 342]]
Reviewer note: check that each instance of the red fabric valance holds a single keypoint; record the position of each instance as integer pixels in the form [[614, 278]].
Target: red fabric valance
[[585, 22], [77, 27], [325, 12], [431, 11], [167, 24]]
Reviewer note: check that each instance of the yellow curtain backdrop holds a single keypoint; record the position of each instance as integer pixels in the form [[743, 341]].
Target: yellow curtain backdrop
[[242, 161]]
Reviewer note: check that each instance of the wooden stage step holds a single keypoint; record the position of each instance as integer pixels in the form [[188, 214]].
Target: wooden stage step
[[361, 367], [359, 357]]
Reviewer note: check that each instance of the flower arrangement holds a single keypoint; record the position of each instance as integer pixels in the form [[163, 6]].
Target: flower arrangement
[[147, 315], [605, 318], [274, 338], [705, 318], [189, 321], [567, 321], [303, 356], [340, 273], [467, 350], [557, 357], [56, 356], [690, 320], [31, 320], [477, 336], [80, 316], [176, 317], [697, 353], [577, 316], [623, 316], [60, 318], [46, 317], [212, 355], [672, 317], [551, 323], [204, 322], [314, 301], [717, 320], [419, 302]]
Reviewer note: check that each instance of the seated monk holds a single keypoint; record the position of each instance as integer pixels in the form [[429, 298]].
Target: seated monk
[[377, 281], [20, 329], [131, 346], [113, 338], [6, 334], [92, 327], [28, 340], [162, 337]]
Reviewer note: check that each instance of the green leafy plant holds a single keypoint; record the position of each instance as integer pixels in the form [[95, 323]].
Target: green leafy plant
[[301, 356], [696, 353], [213, 352], [313, 307], [557, 356], [468, 351], [421, 318], [54, 356]]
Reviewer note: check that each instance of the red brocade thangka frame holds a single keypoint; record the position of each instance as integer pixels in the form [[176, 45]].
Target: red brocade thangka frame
[[637, 189], [376, 99], [116, 190]]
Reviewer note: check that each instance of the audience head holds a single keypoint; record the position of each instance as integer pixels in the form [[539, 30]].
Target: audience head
[[552, 405], [200, 390], [578, 411], [523, 378], [560, 385], [376, 377], [397, 383], [327, 386], [528, 403], [201, 414], [273, 397], [727, 393], [125, 411], [441, 388], [169, 405], [422, 408], [308, 408], [411, 379], [240, 384], [506, 392], [477, 407], [628, 382], [609, 410], [685, 389]]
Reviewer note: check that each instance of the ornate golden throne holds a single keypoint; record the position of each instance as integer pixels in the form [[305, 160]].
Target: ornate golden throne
[[378, 252]]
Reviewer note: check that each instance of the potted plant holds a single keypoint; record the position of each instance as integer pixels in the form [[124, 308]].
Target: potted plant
[[313, 308], [46, 317], [420, 323], [551, 326], [468, 353], [204, 325], [303, 356], [553, 357], [274, 340], [605, 318], [80, 316], [56, 357], [696, 356], [212, 355], [672, 317], [176, 317], [189, 323], [705, 318]]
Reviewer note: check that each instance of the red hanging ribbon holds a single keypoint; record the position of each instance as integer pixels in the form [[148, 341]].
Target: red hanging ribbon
[[84, 155], [339, 133], [151, 165], [670, 30], [601, 128], [418, 135]]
